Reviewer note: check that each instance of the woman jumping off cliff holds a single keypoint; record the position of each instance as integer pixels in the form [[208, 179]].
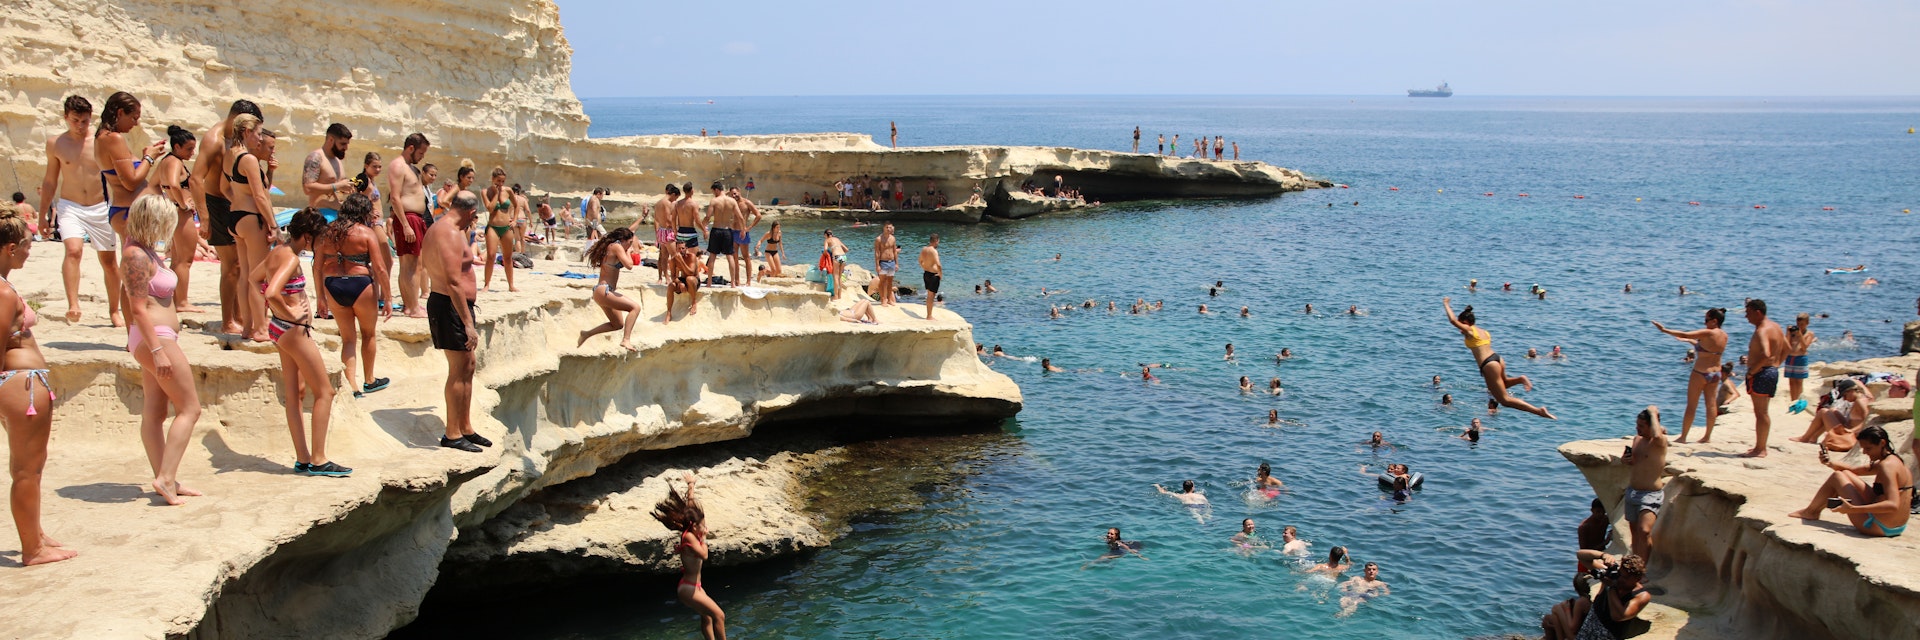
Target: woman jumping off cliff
[[611, 254], [681, 513], [1491, 366]]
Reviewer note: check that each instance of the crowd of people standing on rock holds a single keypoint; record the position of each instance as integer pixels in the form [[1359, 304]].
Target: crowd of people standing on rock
[[383, 237], [1220, 146], [881, 194]]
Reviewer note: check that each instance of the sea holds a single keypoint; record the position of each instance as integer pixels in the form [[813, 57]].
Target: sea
[[1732, 198]]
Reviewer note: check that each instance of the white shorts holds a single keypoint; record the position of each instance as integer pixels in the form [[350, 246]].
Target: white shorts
[[77, 221]]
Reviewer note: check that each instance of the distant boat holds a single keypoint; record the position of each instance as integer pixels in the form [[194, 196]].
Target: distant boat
[[1442, 91]]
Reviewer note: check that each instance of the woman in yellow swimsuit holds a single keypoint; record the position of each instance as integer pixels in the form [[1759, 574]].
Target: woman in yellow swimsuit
[[1491, 366]]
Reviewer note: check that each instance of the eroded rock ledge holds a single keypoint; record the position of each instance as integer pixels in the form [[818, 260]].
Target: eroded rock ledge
[[267, 551], [1729, 563]]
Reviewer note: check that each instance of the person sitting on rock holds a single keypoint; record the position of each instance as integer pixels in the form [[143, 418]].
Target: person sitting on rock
[[1607, 617], [1880, 509], [1837, 424]]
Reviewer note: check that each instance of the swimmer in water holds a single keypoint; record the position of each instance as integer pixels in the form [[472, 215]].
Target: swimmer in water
[[1195, 501], [1247, 542], [1117, 548], [1273, 387], [1229, 356], [1473, 285], [1110, 307], [1053, 312], [1244, 313], [1203, 310], [1683, 289], [1353, 309], [990, 289], [1284, 354], [1056, 257], [1870, 281], [1480, 344], [997, 353], [1557, 353], [1088, 304], [1472, 434], [1246, 385], [1360, 589], [1159, 304], [1446, 399], [1506, 286], [1046, 364], [1213, 293], [1436, 381], [1377, 441], [979, 349], [1533, 354], [1309, 310], [1146, 374], [1493, 407], [1273, 417], [1337, 563], [1264, 481], [1629, 288], [1291, 544], [976, 289]]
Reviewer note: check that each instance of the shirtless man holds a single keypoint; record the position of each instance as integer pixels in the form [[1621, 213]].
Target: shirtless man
[[886, 263], [682, 262], [833, 246], [1646, 460], [590, 215], [743, 235], [450, 314], [1361, 588], [500, 231], [322, 177], [75, 200], [1799, 338], [723, 214], [1195, 501], [522, 216], [690, 224], [408, 190], [931, 271], [210, 183], [1765, 351], [665, 221]]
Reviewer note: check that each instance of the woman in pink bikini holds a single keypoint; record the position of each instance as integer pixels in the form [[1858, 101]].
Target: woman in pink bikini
[[26, 400], [153, 334], [681, 513], [290, 324]]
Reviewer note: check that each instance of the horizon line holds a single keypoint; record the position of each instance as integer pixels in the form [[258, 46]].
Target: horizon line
[[1245, 95]]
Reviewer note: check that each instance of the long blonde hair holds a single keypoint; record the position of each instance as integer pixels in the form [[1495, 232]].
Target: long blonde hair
[[152, 220]]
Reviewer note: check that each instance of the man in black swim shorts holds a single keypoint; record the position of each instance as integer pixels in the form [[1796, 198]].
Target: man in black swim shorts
[[1765, 351], [931, 271], [448, 259]]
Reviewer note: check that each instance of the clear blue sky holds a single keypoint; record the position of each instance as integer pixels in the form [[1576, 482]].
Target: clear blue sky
[[1501, 47]]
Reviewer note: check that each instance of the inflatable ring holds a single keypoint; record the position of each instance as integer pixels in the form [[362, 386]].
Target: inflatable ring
[[1413, 482]]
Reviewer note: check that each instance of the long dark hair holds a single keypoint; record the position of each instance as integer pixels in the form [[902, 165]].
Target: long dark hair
[[356, 210], [118, 103], [598, 254], [306, 223], [678, 512]]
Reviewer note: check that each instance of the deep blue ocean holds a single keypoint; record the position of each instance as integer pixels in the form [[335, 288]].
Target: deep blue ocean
[[1485, 547]]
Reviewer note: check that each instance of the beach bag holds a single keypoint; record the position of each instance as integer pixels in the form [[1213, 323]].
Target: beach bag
[[826, 260]]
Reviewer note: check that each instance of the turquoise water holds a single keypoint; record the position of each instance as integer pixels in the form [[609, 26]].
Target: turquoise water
[[1484, 548]]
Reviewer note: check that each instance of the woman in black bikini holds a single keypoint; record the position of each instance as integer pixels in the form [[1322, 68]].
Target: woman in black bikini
[[682, 514], [290, 322], [1708, 344], [250, 214], [171, 179], [356, 282], [771, 244], [612, 255], [1491, 366]]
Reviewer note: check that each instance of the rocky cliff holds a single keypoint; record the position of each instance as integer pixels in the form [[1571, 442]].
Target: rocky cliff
[[1734, 565], [267, 551], [486, 81]]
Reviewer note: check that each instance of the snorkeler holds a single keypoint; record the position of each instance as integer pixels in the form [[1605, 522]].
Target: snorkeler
[[1491, 366], [1195, 501]]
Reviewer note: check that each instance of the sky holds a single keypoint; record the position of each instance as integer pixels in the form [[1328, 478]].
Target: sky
[[1274, 47]]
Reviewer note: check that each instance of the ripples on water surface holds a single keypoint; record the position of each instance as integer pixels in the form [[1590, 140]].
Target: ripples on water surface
[[1484, 548]]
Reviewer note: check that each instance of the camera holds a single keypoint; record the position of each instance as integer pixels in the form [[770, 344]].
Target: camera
[[1607, 574]]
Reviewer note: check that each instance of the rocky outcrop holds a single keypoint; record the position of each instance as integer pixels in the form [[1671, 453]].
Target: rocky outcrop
[[486, 81], [1910, 338], [1727, 554], [266, 551]]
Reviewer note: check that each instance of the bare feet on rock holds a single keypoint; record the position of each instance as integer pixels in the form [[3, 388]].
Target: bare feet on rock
[[168, 492], [48, 541], [118, 321], [582, 341], [629, 346], [413, 314], [1803, 515], [46, 555], [188, 309], [186, 490], [73, 314], [1756, 452]]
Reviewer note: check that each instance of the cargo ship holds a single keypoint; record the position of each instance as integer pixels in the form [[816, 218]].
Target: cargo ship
[[1442, 91]]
